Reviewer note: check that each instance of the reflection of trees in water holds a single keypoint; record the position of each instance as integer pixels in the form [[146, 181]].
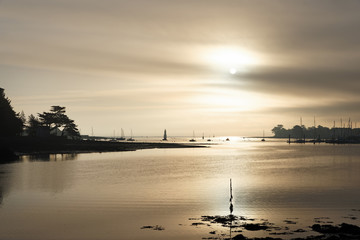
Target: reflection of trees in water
[[4, 185], [47, 172], [49, 157]]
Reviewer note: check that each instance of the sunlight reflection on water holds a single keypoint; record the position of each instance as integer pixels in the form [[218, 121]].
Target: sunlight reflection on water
[[112, 195]]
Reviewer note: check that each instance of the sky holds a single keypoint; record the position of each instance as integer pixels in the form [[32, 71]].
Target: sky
[[232, 67]]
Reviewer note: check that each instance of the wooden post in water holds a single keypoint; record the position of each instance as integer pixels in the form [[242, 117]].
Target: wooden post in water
[[231, 207], [231, 198]]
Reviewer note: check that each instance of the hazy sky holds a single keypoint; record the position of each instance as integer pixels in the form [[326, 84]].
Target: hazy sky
[[232, 67]]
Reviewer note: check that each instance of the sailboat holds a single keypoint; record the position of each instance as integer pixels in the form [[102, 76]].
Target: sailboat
[[165, 136], [263, 139], [122, 136], [193, 139], [131, 137]]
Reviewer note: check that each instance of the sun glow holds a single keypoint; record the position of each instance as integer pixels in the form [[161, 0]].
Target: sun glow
[[229, 101], [233, 59]]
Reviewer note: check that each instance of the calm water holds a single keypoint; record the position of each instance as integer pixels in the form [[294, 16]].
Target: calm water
[[112, 195]]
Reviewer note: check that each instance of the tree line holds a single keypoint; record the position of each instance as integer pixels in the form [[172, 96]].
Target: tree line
[[319, 132], [16, 124]]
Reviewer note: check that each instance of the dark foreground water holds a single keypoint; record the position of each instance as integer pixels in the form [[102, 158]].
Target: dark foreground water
[[113, 195]]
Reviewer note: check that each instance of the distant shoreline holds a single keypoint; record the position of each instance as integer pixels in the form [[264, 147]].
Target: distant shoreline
[[19, 146]]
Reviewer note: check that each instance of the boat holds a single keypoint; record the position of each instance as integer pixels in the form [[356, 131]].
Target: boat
[[193, 139], [165, 136], [131, 138], [263, 139], [122, 136], [227, 139]]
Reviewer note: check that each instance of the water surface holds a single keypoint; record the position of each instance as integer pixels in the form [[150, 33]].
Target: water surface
[[112, 195]]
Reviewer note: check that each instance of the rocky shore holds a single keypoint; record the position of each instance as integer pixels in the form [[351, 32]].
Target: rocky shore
[[239, 226]]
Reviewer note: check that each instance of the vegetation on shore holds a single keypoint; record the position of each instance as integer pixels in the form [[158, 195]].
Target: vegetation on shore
[[34, 145], [11, 123], [319, 132], [52, 132]]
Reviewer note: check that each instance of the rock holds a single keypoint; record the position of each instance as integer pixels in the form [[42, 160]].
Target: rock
[[349, 228], [325, 228], [240, 237], [254, 227], [197, 223]]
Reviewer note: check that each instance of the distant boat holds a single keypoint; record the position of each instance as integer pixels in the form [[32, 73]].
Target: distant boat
[[193, 139], [227, 139], [203, 137], [209, 139], [131, 137], [122, 136], [165, 136], [263, 139]]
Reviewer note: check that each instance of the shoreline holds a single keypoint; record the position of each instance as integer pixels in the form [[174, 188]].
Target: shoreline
[[232, 227], [14, 147]]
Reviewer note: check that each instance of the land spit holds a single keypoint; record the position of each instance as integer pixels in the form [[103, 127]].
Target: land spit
[[13, 147]]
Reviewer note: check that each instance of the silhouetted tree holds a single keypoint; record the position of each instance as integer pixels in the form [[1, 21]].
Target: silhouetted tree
[[318, 132], [10, 122], [71, 129], [33, 124], [280, 131], [23, 118], [57, 118], [297, 132]]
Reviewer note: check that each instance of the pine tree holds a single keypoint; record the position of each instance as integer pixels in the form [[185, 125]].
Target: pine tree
[[10, 122]]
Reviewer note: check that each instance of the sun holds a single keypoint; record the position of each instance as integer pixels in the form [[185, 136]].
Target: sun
[[232, 59], [233, 71]]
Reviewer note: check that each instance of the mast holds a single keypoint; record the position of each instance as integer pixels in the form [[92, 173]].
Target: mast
[[122, 133], [314, 129]]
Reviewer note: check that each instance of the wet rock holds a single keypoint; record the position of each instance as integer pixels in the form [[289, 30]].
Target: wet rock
[[197, 223], [254, 227], [242, 237], [156, 227], [325, 228], [281, 233], [349, 228], [343, 228], [144, 227], [289, 222], [219, 219]]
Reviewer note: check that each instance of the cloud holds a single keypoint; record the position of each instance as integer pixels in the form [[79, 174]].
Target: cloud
[[143, 57]]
